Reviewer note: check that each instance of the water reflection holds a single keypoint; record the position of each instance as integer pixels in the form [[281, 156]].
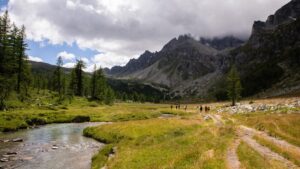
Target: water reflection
[[57, 146]]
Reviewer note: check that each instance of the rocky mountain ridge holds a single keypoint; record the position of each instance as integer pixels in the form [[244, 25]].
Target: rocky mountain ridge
[[268, 62]]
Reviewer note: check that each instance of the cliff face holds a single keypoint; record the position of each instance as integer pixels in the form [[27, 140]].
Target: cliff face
[[269, 61]]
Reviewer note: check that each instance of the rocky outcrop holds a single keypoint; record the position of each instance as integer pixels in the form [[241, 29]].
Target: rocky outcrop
[[222, 43], [134, 65]]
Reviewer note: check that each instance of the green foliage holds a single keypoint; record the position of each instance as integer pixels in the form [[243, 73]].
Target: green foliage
[[58, 79], [15, 73], [100, 90], [233, 85]]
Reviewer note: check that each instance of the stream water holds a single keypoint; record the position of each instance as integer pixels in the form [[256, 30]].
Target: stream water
[[54, 146]]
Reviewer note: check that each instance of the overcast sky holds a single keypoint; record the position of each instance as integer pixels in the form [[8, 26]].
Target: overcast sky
[[110, 32]]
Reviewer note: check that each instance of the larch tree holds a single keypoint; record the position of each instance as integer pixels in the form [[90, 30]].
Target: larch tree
[[233, 85]]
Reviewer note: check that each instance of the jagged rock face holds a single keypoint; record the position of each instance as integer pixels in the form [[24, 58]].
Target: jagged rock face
[[145, 60], [222, 43], [285, 15], [271, 56], [180, 60]]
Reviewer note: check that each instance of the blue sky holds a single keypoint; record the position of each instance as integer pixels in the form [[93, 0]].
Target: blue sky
[[46, 52]]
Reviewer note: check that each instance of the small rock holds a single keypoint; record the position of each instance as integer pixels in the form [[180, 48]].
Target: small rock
[[17, 140], [54, 147], [206, 118], [11, 153], [4, 159]]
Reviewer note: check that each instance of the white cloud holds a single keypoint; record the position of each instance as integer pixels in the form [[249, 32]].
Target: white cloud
[[108, 60], [85, 60], [66, 56], [123, 29], [36, 59], [69, 65]]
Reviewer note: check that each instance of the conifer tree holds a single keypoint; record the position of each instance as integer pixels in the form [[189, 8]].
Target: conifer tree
[[23, 69], [58, 78], [79, 77], [233, 85], [7, 64]]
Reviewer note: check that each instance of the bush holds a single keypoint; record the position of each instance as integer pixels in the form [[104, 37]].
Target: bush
[[81, 119], [36, 121]]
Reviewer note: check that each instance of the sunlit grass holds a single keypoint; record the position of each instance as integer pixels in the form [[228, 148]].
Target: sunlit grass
[[285, 126], [164, 143], [250, 159], [289, 154]]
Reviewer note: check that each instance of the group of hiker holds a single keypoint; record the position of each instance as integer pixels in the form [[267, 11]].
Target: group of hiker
[[200, 108], [205, 108], [178, 106]]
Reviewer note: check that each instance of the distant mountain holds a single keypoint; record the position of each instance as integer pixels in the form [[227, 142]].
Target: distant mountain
[[45, 68], [145, 60], [267, 62]]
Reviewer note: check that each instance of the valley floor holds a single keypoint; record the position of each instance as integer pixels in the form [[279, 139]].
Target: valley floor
[[255, 134]]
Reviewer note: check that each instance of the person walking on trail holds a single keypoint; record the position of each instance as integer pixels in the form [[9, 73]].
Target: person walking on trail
[[185, 107], [171, 107], [201, 108]]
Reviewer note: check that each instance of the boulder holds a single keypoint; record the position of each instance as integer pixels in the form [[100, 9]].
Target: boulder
[[17, 140]]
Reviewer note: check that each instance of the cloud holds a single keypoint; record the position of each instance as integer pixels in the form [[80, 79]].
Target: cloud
[[69, 65], [123, 29], [101, 60], [36, 59], [85, 60], [66, 56]]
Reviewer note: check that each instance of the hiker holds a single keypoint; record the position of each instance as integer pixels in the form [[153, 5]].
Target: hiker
[[185, 107], [201, 108], [171, 107]]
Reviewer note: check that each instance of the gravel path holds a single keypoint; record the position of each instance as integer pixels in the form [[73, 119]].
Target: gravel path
[[247, 134], [276, 141], [232, 159]]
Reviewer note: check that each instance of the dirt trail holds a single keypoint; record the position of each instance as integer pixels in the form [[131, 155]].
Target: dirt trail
[[217, 119], [246, 135], [280, 143], [232, 159]]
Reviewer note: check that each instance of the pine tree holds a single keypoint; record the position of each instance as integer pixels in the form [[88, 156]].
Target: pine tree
[[100, 91], [72, 86], [79, 77], [109, 96], [233, 85], [94, 83], [58, 78], [7, 64], [24, 77]]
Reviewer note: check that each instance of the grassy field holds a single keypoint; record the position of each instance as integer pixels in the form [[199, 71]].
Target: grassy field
[[250, 159], [152, 136], [163, 143], [45, 113], [282, 125], [289, 154]]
